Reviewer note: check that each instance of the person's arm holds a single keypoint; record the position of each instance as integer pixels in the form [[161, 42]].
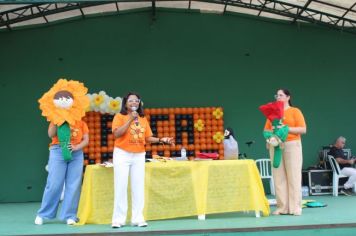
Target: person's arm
[[300, 126], [297, 130], [121, 130], [52, 130], [167, 140], [82, 144], [343, 161]]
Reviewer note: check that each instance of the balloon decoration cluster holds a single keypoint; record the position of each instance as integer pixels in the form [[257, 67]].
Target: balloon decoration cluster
[[198, 129]]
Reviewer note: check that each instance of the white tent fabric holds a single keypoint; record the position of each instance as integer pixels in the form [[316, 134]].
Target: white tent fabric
[[336, 13]]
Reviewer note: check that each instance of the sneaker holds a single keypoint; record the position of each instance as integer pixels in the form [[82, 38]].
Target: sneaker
[[71, 222], [38, 220], [116, 225], [140, 224], [347, 192]]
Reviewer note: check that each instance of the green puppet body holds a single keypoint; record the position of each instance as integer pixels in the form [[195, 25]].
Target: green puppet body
[[63, 133], [281, 135]]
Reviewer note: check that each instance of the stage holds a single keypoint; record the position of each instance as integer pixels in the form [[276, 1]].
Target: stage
[[338, 218]]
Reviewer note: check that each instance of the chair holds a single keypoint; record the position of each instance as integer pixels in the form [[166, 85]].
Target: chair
[[265, 168], [336, 174]]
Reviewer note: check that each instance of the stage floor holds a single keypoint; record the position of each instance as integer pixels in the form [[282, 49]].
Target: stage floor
[[338, 218]]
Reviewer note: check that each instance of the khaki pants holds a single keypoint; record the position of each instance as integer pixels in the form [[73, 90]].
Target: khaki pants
[[288, 177]]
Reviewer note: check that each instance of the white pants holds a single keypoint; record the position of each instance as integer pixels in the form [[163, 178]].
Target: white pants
[[351, 173], [125, 164]]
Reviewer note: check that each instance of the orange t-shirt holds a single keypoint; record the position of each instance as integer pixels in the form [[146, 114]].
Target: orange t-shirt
[[293, 117], [134, 139], [76, 133]]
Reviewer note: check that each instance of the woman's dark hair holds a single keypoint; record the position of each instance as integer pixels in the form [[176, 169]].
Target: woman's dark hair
[[286, 92], [231, 133], [124, 101]]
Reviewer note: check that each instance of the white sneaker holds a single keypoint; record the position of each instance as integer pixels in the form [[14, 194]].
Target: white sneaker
[[71, 222], [116, 225], [38, 220], [140, 224]]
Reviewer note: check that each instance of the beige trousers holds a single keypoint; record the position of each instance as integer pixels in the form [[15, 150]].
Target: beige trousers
[[288, 178]]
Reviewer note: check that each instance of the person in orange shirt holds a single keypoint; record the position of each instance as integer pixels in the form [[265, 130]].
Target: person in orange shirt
[[288, 176], [60, 172], [131, 130]]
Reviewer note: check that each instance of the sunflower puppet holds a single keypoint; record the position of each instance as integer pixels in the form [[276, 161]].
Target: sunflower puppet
[[63, 105]]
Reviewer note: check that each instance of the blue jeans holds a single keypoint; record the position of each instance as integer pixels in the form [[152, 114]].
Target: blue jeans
[[61, 172]]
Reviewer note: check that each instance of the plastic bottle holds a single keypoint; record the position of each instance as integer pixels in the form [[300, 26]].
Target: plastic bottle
[[183, 153]]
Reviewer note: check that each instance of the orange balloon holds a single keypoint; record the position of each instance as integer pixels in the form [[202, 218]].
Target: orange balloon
[[147, 111], [97, 119], [97, 155], [203, 146], [165, 111], [184, 123], [167, 153], [91, 155], [110, 143], [154, 148], [148, 148], [159, 111], [203, 140]]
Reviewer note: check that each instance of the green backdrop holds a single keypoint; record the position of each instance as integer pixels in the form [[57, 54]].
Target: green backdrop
[[178, 60]]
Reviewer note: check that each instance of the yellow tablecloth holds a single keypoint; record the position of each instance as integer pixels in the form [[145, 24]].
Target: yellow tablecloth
[[177, 189]]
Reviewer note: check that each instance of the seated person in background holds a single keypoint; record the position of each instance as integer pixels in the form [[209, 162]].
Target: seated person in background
[[345, 164]]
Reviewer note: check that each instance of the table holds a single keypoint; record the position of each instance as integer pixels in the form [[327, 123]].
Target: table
[[179, 189]]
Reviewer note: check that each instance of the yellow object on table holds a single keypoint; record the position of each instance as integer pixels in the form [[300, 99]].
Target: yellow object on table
[[178, 189]]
